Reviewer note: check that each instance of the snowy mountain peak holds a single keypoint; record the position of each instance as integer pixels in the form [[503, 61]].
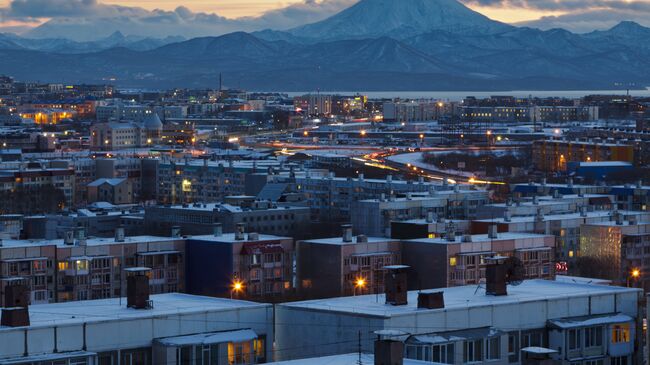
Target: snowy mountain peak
[[399, 19]]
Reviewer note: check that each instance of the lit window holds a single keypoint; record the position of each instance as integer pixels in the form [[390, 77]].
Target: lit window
[[621, 333], [570, 253], [432, 235], [452, 261]]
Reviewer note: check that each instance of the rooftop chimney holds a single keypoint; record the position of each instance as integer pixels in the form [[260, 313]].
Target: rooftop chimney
[[619, 218], [362, 238], [543, 181], [137, 288], [509, 202], [493, 232], [495, 277], [176, 232], [467, 238], [389, 352], [16, 311], [68, 238], [535, 200], [570, 182], [382, 197], [361, 177], [639, 184], [217, 229], [239, 231], [556, 194], [396, 285], [253, 236], [430, 216], [431, 300], [346, 232], [119, 234], [450, 231], [583, 211], [389, 178], [507, 216]]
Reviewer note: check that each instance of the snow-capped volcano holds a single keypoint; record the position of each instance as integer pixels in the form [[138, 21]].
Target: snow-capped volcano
[[399, 19]]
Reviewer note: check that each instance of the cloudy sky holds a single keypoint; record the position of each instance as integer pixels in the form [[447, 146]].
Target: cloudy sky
[[200, 17]]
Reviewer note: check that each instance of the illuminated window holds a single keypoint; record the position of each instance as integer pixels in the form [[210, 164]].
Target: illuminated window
[[452, 261], [239, 353], [63, 265], [187, 186], [621, 333], [432, 235], [570, 253]]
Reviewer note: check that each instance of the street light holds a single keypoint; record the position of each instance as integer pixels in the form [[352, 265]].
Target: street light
[[635, 274], [236, 287], [359, 283]]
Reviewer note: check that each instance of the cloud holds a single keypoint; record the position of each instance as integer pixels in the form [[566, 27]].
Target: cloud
[[578, 15], [85, 20]]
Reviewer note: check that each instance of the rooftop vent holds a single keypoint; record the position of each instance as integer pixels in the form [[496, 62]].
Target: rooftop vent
[[431, 300], [362, 238], [217, 229], [239, 231], [68, 238], [396, 285], [430, 217], [501, 271], [119, 234], [346, 232], [16, 311], [176, 231], [253, 236], [137, 288], [493, 232], [389, 352]]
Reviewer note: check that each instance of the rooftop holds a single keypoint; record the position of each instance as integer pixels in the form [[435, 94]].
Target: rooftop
[[56, 314], [339, 240], [89, 241], [460, 297], [346, 359], [482, 238], [230, 237]]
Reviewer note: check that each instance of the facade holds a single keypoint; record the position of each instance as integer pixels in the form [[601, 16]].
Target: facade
[[214, 331], [115, 191], [617, 248], [332, 267], [314, 104], [553, 155], [34, 179], [79, 268], [259, 216], [467, 326], [462, 260], [412, 111], [132, 133], [263, 265]]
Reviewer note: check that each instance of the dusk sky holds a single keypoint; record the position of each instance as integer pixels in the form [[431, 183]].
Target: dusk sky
[[216, 16]]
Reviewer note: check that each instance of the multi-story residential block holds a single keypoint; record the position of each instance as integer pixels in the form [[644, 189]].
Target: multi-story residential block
[[344, 265], [616, 250], [565, 227], [462, 260], [259, 216], [557, 204], [314, 104], [215, 331], [412, 111], [553, 155], [81, 268], [462, 325], [28, 181], [374, 216], [240, 265], [127, 134]]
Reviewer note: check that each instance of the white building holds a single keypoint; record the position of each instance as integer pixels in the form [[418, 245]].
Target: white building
[[597, 324], [177, 329]]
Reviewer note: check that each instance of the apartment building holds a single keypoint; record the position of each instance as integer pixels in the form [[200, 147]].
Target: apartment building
[[80, 268], [344, 265], [462, 260]]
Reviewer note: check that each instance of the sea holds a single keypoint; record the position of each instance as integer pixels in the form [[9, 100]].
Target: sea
[[460, 95]]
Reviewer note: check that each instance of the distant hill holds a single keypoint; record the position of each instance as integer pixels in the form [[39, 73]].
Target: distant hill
[[373, 45]]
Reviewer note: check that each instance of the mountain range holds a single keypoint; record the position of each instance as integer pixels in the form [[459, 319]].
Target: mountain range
[[372, 45]]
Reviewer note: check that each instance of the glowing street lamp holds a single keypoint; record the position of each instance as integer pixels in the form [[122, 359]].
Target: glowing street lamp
[[359, 283], [236, 287], [635, 274]]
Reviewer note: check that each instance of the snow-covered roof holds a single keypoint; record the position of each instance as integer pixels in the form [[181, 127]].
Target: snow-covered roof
[[587, 321], [210, 338], [503, 236], [346, 359], [89, 242], [230, 238], [164, 305], [339, 240], [468, 296]]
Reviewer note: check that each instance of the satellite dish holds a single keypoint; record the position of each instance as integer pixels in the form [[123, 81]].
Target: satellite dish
[[514, 270]]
